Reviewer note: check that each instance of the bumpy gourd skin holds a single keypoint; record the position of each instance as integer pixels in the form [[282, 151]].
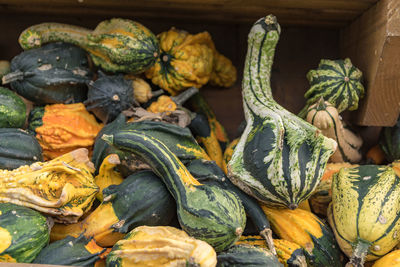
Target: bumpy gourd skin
[[12, 109], [116, 45], [280, 158]]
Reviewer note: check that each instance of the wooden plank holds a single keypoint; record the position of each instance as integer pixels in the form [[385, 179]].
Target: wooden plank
[[373, 44]]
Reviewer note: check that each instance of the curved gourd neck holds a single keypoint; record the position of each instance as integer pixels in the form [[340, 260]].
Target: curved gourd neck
[[263, 38], [37, 35]]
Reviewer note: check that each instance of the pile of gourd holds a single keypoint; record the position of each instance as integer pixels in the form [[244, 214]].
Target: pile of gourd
[[97, 168]]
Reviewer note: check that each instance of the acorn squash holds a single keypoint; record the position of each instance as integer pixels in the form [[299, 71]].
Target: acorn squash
[[115, 45], [12, 109], [54, 73], [280, 158], [161, 246]]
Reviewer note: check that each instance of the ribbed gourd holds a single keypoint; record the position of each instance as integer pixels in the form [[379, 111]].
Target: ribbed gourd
[[62, 128], [280, 158], [54, 73], [246, 255], [18, 148], [307, 230], [108, 175], [365, 210], [23, 233], [161, 246], [63, 188], [338, 81], [115, 45], [141, 199], [389, 141], [79, 251], [326, 117], [205, 212], [12, 109]]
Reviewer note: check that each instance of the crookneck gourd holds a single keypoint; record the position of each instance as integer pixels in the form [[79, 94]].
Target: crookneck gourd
[[54, 73], [141, 199], [307, 230], [389, 141], [12, 109], [62, 128], [365, 210], [23, 233], [79, 251], [108, 175], [63, 187], [280, 158], [338, 81], [115, 45], [18, 148], [161, 246], [326, 117], [205, 212]]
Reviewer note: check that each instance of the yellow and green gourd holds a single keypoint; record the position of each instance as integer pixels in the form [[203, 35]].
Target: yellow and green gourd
[[280, 158], [115, 45]]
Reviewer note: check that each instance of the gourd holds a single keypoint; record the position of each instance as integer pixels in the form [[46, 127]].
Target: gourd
[[289, 254], [141, 199], [108, 175], [108, 96], [375, 155], [186, 60], [325, 117], [307, 230], [12, 109], [205, 212], [62, 128], [280, 158], [169, 104], [161, 246], [391, 259], [62, 188], [5, 67], [338, 81], [364, 212], [80, 251], [23, 233], [245, 255], [224, 73], [389, 141], [141, 89], [228, 154], [54, 73], [115, 45], [18, 148]]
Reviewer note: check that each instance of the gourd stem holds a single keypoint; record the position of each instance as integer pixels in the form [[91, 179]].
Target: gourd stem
[[267, 235], [13, 76], [157, 93], [359, 253], [185, 95]]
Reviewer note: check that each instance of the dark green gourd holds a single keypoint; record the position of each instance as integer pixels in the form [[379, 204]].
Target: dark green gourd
[[54, 73], [205, 212], [389, 141], [280, 158], [12, 109], [18, 148]]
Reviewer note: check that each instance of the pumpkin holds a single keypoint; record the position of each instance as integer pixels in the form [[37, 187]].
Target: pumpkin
[[108, 96], [364, 212], [205, 212], [5, 67], [245, 255], [63, 187], [389, 141], [23, 233], [18, 148], [391, 259], [141, 199], [186, 60], [279, 158], [107, 174], [12, 109], [115, 45], [62, 128], [161, 246], [308, 231], [325, 117], [79, 251], [54, 73]]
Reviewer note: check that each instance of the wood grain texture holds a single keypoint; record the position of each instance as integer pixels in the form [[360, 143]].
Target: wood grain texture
[[373, 44]]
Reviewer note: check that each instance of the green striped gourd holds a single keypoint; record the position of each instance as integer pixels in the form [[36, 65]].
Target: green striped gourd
[[205, 212], [365, 211], [338, 82], [12, 109], [116, 45], [280, 158], [23, 233]]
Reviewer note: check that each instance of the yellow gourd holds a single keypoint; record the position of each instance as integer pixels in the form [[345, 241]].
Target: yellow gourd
[[108, 175]]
